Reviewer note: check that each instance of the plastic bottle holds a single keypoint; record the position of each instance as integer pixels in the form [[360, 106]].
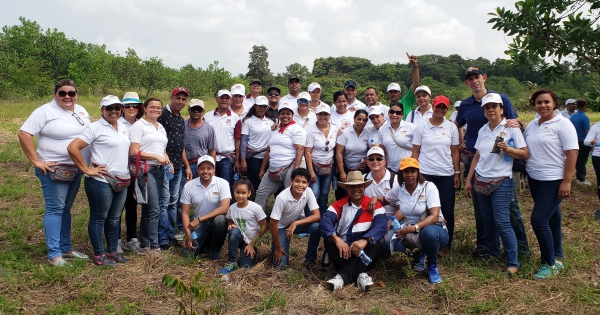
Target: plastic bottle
[[334, 185], [510, 143], [365, 259], [396, 225], [194, 237], [236, 176]]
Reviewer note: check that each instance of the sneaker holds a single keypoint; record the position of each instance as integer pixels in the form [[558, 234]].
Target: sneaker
[[336, 283], [546, 272], [180, 236], [132, 245], [75, 254], [61, 262], [229, 267], [419, 264], [560, 266], [584, 182], [310, 265], [215, 255], [103, 261], [303, 235], [434, 274], [175, 243], [117, 257], [157, 251], [364, 282], [143, 251], [119, 248], [597, 215]]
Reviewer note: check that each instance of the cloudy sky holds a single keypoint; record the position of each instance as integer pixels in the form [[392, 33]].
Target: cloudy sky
[[201, 31]]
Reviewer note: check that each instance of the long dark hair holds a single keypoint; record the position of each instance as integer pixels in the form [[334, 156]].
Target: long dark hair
[[252, 112]]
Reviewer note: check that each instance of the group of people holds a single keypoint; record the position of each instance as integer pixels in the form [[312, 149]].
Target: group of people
[[394, 169]]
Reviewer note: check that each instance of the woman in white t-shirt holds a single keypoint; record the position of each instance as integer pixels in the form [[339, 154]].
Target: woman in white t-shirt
[[303, 115], [109, 141], [592, 139], [492, 170], [320, 144], [396, 137], [149, 140], [553, 148], [283, 155], [435, 145], [341, 117], [56, 124], [351, 149]]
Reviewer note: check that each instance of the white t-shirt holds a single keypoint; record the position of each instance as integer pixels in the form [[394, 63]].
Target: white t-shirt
[[391, 138], [205, 199], [356, 105], [547, 144], [425, 196], [381, 189], [56, 128], [244, 112], [565, 113], [347, 217], [290, 100], [316, 139], [492, 164], [282, 150], [248, 102], [125, 123], [593, 134], [287, 209], [435, 157], [247, 219], [384, 110], [224, 127], [342, 121], [304, 122], [109, 147], [355, 147], [151, 140], [258, 131], [418, 116]]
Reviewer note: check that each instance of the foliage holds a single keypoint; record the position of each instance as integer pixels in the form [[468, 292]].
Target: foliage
[[259, 65], [189, 296]]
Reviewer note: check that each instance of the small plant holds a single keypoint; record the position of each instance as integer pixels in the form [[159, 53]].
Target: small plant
[[275, 300], [189, 296]]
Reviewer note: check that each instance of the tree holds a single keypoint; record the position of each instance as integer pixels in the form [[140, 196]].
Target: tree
[[544, 32], [259, 65]]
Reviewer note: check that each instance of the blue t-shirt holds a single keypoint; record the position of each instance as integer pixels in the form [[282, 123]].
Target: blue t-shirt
[[471, 113], [582, 124]]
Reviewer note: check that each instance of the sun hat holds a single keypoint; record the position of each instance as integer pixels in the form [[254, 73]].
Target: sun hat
[[206, 158], [408, 162], [354, 178], [131, 98], [196, 103], [491, 98]]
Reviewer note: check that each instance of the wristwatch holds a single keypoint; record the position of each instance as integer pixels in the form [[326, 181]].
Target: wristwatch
[[417, 229], [369, 239]]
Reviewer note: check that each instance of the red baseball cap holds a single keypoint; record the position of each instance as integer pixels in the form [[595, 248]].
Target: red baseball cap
[[441, 100], [178, 90]]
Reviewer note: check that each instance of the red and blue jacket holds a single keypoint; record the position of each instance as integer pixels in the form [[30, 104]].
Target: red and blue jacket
[[365, 225]]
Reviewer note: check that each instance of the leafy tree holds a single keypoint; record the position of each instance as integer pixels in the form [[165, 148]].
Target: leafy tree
[[296, 69], [259, 65]]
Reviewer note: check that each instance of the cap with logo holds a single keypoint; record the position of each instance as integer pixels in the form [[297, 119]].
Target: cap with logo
[[323, 109], [491, 98], [408, 162], [274, 87], [261, 100], [286, 106], [294, 77], [375, 110], [178, 90], [238, 89], [473, 71]]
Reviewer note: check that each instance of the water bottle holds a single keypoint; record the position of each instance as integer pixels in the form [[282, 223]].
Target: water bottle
[[334, 183], [168, 175], [195, 239], [396, 225], [365, 259], [236, 176], [510, 143]]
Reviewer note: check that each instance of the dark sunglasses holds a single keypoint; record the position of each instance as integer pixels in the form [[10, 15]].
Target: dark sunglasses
[[327, 145], [275, 94], [303, 101], [78, 119], [130, 105], [379, 159], [65, 93], [110, 108], [197, 109], [395, 112]]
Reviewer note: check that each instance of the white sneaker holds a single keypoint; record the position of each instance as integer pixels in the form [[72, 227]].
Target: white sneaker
[[119, 248], [132, 245], [364, 282], [585, 182], [336, 283], [180, 236]]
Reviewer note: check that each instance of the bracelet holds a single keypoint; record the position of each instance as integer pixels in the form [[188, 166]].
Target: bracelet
[[457, 172]]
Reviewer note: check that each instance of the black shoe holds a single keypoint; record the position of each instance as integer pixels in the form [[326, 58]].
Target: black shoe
[[175, 243], [165, 246]]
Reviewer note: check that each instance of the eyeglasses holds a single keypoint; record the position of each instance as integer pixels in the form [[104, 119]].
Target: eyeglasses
[[154, 108], [395, 112], [111, 108], [378, 159], [303, 101], [196, 109], [78, 119], [327, 145], [65, 93], [273, 94], [130, 105]]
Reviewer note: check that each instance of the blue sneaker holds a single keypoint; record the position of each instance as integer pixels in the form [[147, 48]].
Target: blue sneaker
[[560, 266], [434, 274], [546, 272], [418, 264], [229, 267]]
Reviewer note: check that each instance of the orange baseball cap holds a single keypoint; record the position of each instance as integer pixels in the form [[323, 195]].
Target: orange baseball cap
[[408, 162]]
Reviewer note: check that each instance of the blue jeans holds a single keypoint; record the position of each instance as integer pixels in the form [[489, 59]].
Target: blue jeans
[[445, 185], [224, 170], [213, 230], [151, 211], [194, 170], [495, 210], [106, 207], [253, 170], [168, 207], [321, 189], [235, 241], [546, 218], [433, 237], [313, 242], [58, 199]]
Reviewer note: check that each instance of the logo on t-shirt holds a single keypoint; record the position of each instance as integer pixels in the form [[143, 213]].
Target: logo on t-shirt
[[228, 122], [215, 194], [241, 223], [503, 134], [422, 198]]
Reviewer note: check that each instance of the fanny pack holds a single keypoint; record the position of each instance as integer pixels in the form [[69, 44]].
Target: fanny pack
[[230, 156], [137, 166], [486, 185], [413, 240], [63, 172], [250, 153], [118, 182], [323, 169], [466, 156], [275, 175]]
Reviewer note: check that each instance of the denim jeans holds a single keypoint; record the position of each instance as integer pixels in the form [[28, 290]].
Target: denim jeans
[[433, 237], [58, 200], [495, 210], [194, 170], [518, 226], [445, 185], [224, 170], [235, 241], [168, 207], [546, 218], [321, 189], [582, 158], [254, 166], [150, 212], [213, 230], [106, 207], [313, 242]]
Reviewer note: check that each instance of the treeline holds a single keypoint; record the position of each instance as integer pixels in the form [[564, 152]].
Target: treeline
[[32, 59]]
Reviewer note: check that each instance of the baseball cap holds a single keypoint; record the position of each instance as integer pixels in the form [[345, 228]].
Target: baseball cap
[[491, 98], [109, 100], [238, 89], [375, 110], [304, 95], [394, 87], [570, 101], [286, 105], [350, 83], [178, 90], [261, 100], [131, 98], [196, 103], [223, 92], [423, 88], [457, 104], [408, 162], [323, 109], [206, 158], [473, 70], [256, 80], [314, 86], [274, 87], [376, 150], [294, 77], [441, 99]]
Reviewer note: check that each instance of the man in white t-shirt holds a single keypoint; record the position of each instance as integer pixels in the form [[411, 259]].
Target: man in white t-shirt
[[210, 197], [255, 90], [288, 218], [351, 89], [294, 85], [570, 108], [372, 100], [238, 94]]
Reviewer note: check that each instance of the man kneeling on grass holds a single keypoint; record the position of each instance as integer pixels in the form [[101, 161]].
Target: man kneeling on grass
[[348, 228], [288, 218]]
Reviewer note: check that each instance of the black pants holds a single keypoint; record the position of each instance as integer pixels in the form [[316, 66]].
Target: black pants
[[350, 268], [596, 164], [130, 212], [582, 158]]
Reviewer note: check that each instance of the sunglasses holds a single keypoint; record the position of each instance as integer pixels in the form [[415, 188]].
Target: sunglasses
[[111, 108], [130, 105], [65, 93], [78, 119], [378, 159], [196, 109], [395, 112], [303, 101], [273, 94], [327, 145]]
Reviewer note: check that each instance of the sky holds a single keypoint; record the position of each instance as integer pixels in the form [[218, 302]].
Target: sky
[[199, 32]]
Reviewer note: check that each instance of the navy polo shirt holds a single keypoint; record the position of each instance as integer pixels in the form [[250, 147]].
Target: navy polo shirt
[[582, 124], [471, 113]]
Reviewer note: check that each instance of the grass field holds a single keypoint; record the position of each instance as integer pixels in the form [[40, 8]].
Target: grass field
[[29, 286]]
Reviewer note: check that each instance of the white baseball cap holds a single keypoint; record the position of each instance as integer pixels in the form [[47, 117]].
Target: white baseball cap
[[491, 98], [423, 88], [314, 86], [238, 89], [196, 102], [394, 87], [570, 101], [376, 150], [109, 100], [457, 104], [261, 100], [304, 95], [375, 110], [323, 108], [206, 158], [223, 92], [286, 105]]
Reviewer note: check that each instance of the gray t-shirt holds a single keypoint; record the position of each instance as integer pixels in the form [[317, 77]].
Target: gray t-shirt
[[198, 141]]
